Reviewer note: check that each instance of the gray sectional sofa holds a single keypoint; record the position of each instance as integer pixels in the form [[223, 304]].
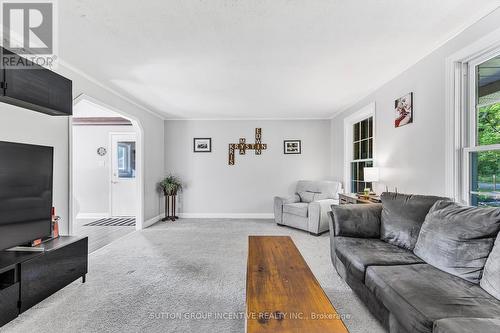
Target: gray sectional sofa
[[421, 263]]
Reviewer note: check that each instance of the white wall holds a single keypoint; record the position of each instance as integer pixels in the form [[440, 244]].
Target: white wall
[[412, 157], [20, 125], [213, 188], [92, 177]]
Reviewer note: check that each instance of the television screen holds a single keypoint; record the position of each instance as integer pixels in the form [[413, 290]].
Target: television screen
[[26, 173]]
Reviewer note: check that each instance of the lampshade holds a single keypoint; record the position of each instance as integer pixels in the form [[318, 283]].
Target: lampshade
[[371, 174]]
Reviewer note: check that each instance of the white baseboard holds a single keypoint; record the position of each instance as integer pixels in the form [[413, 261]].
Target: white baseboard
[[92, 215], [151, 221], [226, 215]]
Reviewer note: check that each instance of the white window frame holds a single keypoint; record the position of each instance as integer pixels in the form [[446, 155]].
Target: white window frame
[[471, 114], [364, 113], [460, 121]]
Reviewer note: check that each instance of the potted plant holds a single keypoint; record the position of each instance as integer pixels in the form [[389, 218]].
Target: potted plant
[[170, 186]]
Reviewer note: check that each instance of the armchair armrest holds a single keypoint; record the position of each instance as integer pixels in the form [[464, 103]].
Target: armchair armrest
[[278, 206], [285, 200], [318, 215], [361, 221]]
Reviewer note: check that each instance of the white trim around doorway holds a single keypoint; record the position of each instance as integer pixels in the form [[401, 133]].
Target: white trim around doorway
[[140, 222]]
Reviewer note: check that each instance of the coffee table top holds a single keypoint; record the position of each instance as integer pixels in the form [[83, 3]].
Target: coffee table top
[[282, 293]]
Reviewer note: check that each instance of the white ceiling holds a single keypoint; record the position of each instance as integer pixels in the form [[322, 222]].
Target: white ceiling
[[254, 58]]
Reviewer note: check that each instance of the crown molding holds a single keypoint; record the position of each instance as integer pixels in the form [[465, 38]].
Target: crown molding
[[243, 119]]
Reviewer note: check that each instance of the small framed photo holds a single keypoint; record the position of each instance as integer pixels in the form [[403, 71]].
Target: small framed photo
[[202, 145], [403, 109], [292, 147]]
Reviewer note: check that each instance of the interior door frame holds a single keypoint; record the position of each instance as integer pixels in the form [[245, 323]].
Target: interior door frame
[[111, 164], [139, 225]]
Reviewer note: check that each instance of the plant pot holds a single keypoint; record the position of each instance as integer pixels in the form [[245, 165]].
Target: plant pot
[[170, 207]]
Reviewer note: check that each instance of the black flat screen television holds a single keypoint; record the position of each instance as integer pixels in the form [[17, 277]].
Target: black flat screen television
[[26, 173]]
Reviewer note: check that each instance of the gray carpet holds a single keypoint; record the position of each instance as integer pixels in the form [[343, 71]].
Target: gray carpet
[[153, 280]]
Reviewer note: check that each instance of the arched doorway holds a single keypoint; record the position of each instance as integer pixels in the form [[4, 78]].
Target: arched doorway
[[106, 172]]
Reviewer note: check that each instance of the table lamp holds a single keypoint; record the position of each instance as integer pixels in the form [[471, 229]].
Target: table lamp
[[371, 174]]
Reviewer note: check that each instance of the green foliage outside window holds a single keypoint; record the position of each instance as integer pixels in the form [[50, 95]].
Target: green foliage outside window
[[488, 133]]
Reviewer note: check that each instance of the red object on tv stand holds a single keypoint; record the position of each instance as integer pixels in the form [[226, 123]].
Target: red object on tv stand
[[55, 229], [55, 224]]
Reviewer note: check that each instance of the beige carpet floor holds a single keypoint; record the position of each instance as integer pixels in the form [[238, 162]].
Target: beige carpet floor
[[179, 277]]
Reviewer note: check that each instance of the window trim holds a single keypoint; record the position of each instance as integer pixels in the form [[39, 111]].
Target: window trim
[[365, 112], [458, 120], [470, 142]]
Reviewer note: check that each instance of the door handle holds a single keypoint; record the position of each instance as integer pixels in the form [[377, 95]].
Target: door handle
[[114, 182]]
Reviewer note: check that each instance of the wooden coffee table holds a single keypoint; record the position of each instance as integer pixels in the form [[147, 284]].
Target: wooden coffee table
[[282, 293]]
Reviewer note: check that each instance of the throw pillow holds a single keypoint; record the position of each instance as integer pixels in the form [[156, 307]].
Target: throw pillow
[[402, 216], [306, 196], [457, 239], [491, 275]]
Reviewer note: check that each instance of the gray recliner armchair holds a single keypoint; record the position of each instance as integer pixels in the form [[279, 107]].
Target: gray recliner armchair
[[308, 208]]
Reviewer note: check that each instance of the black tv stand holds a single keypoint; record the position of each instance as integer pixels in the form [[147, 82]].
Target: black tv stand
[[26, 278]]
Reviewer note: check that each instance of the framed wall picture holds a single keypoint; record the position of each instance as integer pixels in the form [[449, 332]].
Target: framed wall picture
[[202, 145], [292, 147], [403, 108]]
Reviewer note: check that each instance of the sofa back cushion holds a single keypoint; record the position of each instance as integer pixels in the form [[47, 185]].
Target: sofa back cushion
[[491, 275], [458, 239], [357, 221], [402, 217], [328, 189]]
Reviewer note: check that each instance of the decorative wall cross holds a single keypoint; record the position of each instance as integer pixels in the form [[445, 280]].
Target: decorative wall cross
[[243, 146]]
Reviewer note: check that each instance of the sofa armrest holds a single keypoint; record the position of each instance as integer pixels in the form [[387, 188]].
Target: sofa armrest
[[361, 220], [278, 206], [318, 215]]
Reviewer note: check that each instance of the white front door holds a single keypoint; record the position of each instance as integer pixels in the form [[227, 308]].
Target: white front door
[[123, 174]]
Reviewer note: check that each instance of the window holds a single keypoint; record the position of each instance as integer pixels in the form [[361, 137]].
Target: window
[[126, 159], [482, 156], [362, 153]]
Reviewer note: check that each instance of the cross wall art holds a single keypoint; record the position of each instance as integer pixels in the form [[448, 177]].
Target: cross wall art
[[258, 146]]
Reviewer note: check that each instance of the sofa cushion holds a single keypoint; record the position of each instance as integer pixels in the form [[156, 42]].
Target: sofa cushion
[[358, 253], [458, 239], [418, 295], [299, 208], [491, 275], [467, 325], [402, 216], [306, 196], [361, 221]]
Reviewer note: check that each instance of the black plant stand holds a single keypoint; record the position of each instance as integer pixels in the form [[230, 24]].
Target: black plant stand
[[170, 203]]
